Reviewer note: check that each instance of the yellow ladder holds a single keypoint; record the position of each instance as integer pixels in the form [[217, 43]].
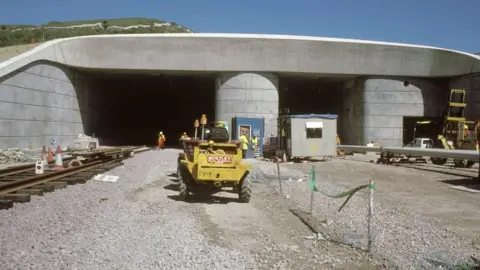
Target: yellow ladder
[[455, 114], [456, 105]]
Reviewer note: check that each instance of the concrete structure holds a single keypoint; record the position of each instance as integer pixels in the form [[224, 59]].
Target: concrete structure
[[42, 94]]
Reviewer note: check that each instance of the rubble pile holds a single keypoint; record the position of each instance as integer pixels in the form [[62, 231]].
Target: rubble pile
[[11, 156], [84, 142]]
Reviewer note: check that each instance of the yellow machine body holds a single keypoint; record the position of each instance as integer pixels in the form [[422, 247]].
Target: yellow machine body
[[223, 165]]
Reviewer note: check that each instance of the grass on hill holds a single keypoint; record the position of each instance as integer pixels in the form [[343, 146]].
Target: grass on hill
[[111, 22], [11, 35]]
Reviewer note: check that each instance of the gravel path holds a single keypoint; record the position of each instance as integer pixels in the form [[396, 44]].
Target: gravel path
[[416, 216], [137, 223], [112, 226]]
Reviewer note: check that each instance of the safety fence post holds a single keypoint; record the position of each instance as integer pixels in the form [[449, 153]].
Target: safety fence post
[[279, 178], [348, 194], [371, 187], [313, 181]]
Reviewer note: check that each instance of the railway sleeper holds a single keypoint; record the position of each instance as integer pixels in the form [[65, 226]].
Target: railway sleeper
[[59, 184], [47, 187], [15, 197], [72, 180], [31, 191]]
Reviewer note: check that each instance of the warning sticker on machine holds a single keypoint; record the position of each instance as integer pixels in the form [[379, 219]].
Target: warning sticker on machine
[[219, 159]]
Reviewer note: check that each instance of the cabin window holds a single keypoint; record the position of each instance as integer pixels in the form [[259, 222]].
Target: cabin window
[[314, 130]]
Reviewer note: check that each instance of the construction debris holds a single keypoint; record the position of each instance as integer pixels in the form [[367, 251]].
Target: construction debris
[[84, 142], [11, 156]]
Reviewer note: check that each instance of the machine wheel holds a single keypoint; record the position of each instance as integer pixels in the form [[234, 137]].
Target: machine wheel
[[183, 192], [245, 190], [439, 161], [459, 163], [470, 164]]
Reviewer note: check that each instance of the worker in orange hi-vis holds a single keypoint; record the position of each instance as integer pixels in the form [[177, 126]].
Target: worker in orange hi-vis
[[161, 140]]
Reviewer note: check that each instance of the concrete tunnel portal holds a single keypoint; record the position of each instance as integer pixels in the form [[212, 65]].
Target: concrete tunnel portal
[[130, 108], [87, 88]]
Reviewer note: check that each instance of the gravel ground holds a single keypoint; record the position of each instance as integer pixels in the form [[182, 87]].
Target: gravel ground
[[416, 215], [137, 223], [112, 226]]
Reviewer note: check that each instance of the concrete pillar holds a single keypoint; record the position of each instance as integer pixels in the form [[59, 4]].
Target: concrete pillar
[[248, 95], [379, 111]]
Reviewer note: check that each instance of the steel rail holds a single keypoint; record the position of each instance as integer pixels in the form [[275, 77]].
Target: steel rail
[[16, 169], [428, 152], [9, 187]]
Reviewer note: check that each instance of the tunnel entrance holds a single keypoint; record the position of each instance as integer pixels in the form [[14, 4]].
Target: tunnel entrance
[[412, 130], [131, 109], [318, 95]]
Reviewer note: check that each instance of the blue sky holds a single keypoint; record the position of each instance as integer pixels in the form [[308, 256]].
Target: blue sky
[[442, 23]]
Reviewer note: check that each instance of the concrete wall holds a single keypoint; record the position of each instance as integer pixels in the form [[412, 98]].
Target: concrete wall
[[256, 53], [248, 95], [352, 100], [39, 102], [470, 83], [374, 107]]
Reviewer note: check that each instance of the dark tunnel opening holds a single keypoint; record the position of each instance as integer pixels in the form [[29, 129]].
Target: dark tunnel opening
[[131, 109], [302, 95]]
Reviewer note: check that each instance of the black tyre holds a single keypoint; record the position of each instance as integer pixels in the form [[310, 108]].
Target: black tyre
[[183, 192], [459, 163], [245, 191], [470, 164], [439, 161]]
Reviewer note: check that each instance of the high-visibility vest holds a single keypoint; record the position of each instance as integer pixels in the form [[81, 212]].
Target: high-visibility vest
[[244, 141], [255, 141]]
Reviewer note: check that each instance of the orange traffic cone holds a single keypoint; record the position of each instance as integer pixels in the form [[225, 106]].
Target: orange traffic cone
[[49, 155], [58, 159]]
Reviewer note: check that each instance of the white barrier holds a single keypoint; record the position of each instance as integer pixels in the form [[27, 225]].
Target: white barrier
[[428, 152]]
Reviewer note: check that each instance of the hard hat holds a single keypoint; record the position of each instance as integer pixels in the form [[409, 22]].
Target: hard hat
[[161, 132], [210, 142], [184, 133]]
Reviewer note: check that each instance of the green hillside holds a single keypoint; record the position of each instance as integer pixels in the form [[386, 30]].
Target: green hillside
[[11, 35]]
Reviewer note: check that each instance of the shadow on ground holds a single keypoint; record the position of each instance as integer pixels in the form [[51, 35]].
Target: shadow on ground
[[203, 196], [471, 183]]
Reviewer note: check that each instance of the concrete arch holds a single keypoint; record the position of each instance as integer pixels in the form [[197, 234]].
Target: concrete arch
[[252, 95], [249, 52]]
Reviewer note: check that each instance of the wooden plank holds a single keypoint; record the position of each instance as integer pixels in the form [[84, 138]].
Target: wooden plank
[[59, 184], [31, 191], [70, 181], [46, 187], [13, 178], [20, 198], [85, 174], [78, 179]]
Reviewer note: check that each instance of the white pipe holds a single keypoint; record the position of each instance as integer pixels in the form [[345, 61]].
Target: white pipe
[[428, 152]]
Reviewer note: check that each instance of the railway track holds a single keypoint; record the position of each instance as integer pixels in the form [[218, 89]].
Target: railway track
[[19, 183]]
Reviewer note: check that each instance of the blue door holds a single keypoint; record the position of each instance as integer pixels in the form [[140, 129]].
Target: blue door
[[251, 126]]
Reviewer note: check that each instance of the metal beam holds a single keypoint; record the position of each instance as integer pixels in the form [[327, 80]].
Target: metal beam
[[428, 152]]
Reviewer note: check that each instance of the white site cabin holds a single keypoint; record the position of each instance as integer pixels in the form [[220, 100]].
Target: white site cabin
[[308, 135]]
